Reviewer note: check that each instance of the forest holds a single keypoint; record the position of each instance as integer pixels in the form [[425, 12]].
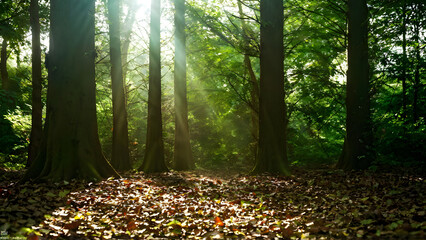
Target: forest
[[212, 119]]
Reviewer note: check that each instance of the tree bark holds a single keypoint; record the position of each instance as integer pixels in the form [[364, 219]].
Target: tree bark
[[70, 145], [358, 129], [404, 63], [37, 106], [120, 142], [154, 153], [3, 66], [272, 110], [182, 148]]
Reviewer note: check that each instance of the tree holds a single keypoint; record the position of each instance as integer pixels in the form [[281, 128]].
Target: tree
[[182, 147], [3, 65], [120, 142], [254, 84], [70, 144], [404, 62], [419, 20], [37, 105], [14, 21], [272, 110], [358, 127], [154, 153]]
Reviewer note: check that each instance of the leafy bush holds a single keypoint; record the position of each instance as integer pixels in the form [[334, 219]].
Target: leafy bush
[[16, 128]]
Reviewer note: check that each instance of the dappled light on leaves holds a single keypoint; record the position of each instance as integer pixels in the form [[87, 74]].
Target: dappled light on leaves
[[322, 203]]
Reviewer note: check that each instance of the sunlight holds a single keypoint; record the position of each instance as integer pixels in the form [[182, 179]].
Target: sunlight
[[142, 8], [144, 4]]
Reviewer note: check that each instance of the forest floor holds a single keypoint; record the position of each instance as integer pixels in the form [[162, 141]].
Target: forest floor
[[310, 204]]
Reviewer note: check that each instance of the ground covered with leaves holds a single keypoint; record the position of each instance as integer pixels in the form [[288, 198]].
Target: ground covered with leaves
[[318, 204]]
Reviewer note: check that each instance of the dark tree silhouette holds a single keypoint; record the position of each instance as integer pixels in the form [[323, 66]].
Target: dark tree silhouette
[[272, 110], [358, 126], [154, 153], [120, 142], [4, 74], [37, 106], [70, 144], [182, 148]]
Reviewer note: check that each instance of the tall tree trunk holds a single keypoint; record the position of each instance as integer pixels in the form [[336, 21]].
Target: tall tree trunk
[[182, 148], [404, 62], [358, 128], [37, 106], [120, 141], [70, 145], [254, 86], [154, 153], [3, 65], [272, 109], [417, 27]]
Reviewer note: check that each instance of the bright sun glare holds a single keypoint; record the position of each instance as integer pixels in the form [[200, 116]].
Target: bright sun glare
[[144, 3]]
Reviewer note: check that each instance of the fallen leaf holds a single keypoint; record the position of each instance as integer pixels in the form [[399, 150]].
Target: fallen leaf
[[218, 222]]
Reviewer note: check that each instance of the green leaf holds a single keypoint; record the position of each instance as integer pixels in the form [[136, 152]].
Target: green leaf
[[365, 199], [367, 221], [50, 194], [393, 225], [64, 193], [174, 222]]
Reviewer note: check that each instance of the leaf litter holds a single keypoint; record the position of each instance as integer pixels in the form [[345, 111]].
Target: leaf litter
[[317, 204]]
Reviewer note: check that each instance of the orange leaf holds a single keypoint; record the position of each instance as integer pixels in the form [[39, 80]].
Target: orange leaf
[[219, 222]]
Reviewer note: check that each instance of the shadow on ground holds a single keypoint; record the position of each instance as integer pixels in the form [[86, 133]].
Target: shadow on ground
[[24, 205]]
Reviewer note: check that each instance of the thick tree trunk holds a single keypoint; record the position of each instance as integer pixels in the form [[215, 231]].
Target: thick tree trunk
[[358, 128], [254, 87], [70, 145], [120, 142], [154, 153], [272, 109], [3, 66], [182, 148], [37, 106]]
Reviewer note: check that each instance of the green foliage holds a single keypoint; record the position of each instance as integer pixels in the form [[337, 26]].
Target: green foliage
[[399, 130], [218, 91], [16, 127], [14, 20], [15, 118], [7, 137]]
